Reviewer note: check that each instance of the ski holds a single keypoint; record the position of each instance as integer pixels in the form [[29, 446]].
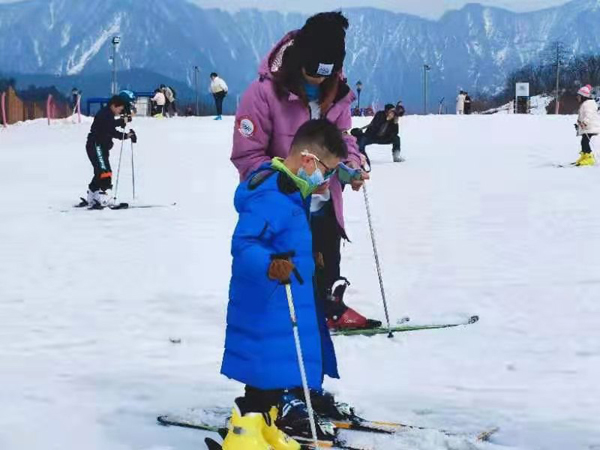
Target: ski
[[85, 206], [212, 444], [96, 207], [370, 325], [119, 206], [357, 423], [222, 431], [380, 427], [401, 328]]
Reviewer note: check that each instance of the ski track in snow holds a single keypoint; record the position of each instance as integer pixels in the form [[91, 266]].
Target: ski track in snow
[[476, 221]]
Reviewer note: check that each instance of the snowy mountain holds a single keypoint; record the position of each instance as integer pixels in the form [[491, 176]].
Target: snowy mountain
[[473, 48]]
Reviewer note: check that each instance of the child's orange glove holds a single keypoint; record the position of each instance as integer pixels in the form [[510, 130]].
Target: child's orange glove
[[281, 270]]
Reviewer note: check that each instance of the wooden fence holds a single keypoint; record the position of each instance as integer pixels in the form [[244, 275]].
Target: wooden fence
[[13, 109]]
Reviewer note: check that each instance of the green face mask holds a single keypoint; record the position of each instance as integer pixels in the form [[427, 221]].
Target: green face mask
[[306, 189]]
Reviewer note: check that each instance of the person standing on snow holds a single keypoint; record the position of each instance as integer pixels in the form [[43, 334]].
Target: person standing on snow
[[75, 99], [271, 246], [159, 100], [98, 146], [467, 103], [587, 126], [218, 89], [460, 103]]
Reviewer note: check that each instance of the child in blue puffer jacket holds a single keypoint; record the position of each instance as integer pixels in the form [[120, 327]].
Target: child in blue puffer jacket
[[274, 222]]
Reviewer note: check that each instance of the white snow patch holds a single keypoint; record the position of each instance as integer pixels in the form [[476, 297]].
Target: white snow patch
[[476, 221], [488, 22], [65, 35], [539, 103], [76, 66], [36, 50], [52, 16]]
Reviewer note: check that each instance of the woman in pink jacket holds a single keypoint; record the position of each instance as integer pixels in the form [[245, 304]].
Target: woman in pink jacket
[[302, 79]]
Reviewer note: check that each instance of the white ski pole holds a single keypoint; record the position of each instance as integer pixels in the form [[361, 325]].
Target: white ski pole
[[132, 171], [377, 264], [311, 414], [119, 168]]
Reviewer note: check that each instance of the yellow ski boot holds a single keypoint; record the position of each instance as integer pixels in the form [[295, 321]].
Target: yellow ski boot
[[277, 438], [246, 432], [586, 159]]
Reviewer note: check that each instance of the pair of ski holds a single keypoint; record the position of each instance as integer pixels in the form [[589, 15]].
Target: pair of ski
[[357, 423], [84, 204], [97, 207]]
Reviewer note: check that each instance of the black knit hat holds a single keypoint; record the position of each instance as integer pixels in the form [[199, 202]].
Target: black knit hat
[[321, 44]]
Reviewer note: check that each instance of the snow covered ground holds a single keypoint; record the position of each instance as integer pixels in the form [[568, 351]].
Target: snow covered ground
[[476, 221]]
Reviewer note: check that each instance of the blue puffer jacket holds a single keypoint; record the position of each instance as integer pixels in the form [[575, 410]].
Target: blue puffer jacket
[[259, 343]]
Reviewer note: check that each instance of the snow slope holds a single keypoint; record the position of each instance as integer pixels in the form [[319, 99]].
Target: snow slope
[[476, 221]]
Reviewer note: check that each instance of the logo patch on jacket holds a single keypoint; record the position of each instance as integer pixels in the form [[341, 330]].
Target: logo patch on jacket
[[246, 127], [325, 69]]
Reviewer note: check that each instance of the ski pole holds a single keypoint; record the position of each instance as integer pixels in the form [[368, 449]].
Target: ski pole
[[132, 170], [311, 413], [376, 254], [119, 167]]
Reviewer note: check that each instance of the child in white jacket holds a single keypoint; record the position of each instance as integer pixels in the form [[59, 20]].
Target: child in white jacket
[[588, 125]]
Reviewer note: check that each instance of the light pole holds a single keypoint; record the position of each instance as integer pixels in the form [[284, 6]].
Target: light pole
[[426, 68], [196, 71], [359, 87], [116, 40], [559, 52]]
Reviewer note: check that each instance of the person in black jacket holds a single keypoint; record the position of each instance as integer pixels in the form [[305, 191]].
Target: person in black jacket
[[468, 103], [383, 129], [99, 143]]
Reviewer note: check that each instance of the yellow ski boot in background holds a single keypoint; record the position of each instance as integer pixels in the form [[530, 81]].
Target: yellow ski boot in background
[[586, 159]]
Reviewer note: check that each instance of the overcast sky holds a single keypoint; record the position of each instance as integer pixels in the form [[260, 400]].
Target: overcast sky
[[425, 8]]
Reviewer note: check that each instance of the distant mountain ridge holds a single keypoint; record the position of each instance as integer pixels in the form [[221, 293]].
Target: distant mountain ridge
[[473, 48]]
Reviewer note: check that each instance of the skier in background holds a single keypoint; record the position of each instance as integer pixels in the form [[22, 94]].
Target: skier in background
[[98, 146], [272, 246], [460, 103], [75, 98], [218, 89], [467, 103], [587, 126]]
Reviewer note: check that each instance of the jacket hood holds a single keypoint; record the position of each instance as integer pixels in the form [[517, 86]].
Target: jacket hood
[[272, 62]]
